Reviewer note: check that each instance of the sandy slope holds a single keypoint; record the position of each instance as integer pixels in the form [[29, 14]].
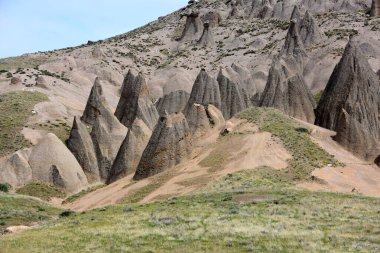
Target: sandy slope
[[356, 176]]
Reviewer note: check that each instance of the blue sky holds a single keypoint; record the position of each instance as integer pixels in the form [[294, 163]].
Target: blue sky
[[28, 26]]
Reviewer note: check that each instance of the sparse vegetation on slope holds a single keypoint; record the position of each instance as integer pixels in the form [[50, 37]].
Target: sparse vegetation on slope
[[241, 212], [307, 155], [22, 62], [21, 210], [16, 108], [76, 196], [40, 190]]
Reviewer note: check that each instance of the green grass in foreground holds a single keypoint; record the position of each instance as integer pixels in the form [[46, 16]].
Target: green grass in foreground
[[242, 212], [40, 190], [307, 155], [21, 210], [15, 109]]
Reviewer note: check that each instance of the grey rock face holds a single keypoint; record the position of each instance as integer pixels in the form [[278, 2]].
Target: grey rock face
[[193, 27], [96, 103], [375, 8], [294, 45], [205, 91], [107, 135], [82, 147], [351, 102], [135, 102], [169, 145], [130, 152], [207, 38], [233, 98], [288, 93], [309, 31], [173, 102]]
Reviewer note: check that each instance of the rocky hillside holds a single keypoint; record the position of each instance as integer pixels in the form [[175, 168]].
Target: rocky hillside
[[204, 63]]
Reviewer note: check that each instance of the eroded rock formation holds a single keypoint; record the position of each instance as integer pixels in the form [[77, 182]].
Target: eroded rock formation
[[205, 91], [193, 27], [351, 102], [173, 102], [170, 144], [234, 98], [207, 38], [135, 102], [82, 147]]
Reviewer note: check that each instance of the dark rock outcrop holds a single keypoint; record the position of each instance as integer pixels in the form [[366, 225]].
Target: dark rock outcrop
[[135, 102], [41, 82], [350, 104], [82, 147], [173, 102], [193, 27], [205, 91], [375, 8], [207, 38], [169, 145], [234, 98]]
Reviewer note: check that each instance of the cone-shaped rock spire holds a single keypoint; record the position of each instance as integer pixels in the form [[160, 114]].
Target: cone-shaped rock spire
[[135, 102], [82, 147], [288, 93], [169, 145], [350, 103], [205, 91], [234, 98], [173, 102], [309, 30], [96, 103]]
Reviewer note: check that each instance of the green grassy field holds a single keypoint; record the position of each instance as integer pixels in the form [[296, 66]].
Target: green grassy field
[[242, 212], [21, 210], [40, 190], [16, 108]]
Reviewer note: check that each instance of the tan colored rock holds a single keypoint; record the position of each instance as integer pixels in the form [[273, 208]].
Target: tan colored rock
[[52, 162], [15, 169]]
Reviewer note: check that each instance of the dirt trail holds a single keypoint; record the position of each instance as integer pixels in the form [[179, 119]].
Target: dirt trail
[[356, 176]]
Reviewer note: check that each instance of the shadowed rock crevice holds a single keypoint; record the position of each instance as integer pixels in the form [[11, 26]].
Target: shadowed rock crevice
[[375, 8]]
